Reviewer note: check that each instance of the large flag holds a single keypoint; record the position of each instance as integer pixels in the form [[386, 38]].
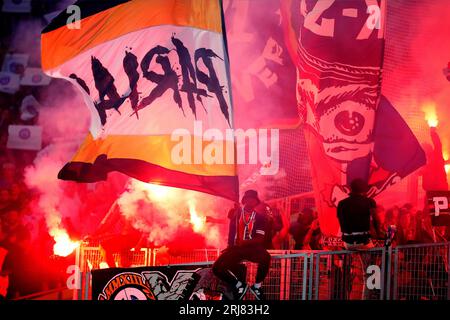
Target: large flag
[[351, 131], [262, 71], [264, 82], [153, 74]]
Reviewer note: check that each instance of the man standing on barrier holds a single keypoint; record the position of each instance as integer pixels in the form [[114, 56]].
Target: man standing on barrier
[[355, 215], [248, 230]]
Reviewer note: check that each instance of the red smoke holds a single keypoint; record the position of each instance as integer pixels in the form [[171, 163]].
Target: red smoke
[[173, 217]]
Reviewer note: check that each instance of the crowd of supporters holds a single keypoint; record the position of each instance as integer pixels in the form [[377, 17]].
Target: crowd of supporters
[[412, 226], [18, 225]]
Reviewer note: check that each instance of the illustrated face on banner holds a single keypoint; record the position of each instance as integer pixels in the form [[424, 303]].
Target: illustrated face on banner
[[339, 71], [338, 49], [343, 116]]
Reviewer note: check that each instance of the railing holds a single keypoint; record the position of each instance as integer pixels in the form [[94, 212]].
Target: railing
[[287, 278], [348, 275], [421, 272], [55, 294], [204, 255], [404, 272]]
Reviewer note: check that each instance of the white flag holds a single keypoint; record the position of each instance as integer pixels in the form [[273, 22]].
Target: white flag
[[15, 63], [35, 77], [24, 137], [9, 82], [22, 6], [29, 108]]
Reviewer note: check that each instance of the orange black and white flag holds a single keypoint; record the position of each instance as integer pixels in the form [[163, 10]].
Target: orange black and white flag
[[154, 75]]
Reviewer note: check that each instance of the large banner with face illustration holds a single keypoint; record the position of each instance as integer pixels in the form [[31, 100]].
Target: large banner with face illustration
[[348, 125]]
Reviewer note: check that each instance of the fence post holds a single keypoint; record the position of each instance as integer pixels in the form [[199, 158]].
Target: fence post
[[87, 285], [80, 290], [305, 275], [317, 278], [383, 273], [394, 295], [284, 294], [154, 253], [448, 272], [76, 290], [388, 262]]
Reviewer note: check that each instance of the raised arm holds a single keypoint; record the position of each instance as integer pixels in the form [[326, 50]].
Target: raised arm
[[436, 141]]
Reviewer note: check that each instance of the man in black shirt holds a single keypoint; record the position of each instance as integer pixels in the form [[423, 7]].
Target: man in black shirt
[[355, 214], [249, 228]]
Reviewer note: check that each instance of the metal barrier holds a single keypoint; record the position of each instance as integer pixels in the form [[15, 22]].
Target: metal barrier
[[404, 272], [287, 278], [421, 272], [55, 294], [162, 258], [348, 275], [89, 258]]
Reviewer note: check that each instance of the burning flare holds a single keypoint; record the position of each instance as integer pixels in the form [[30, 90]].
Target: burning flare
[[63, 245], [197, 221], [156, 191], [161, 212], [430, 114]]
